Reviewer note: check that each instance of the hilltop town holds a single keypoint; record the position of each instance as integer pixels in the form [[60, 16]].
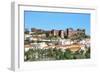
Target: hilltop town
[[47, 41]]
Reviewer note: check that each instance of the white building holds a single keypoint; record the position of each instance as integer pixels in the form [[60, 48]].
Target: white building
[[82, 42], [33, 39], [27, 36], [85, 42], [65, 42], [39, 45]]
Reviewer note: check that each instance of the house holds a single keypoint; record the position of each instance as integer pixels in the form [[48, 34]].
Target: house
[[33, 39], [65, 42], [39, 45], [27, 36], [85, 42]]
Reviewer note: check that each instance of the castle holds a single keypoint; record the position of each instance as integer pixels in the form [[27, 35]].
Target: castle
[[69, 32]]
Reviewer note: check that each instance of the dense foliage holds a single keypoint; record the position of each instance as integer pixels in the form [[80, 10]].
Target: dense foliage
[[55, 54]]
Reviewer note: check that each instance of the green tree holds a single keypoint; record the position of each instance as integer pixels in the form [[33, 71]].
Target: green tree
[[68, 54]]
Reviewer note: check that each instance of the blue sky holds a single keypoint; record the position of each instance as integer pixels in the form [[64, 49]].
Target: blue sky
[[56, 20]]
